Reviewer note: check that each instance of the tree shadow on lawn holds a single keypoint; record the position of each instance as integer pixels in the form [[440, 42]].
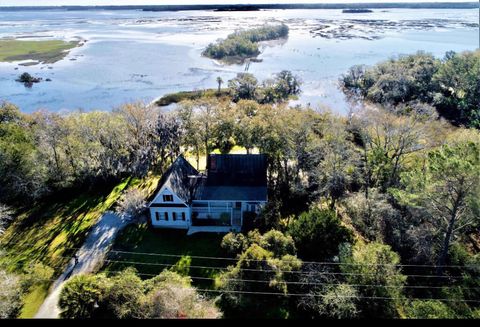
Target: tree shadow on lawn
[[50, 232]]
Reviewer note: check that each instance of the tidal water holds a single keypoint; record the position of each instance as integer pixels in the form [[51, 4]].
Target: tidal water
[[136, 55]]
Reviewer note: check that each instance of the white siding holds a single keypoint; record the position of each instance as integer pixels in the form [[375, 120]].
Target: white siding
[[166, 191], [157, 214]]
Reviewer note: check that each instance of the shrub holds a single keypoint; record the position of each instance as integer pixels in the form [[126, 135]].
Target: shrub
[[80, 296], [375, 266], [10, 295], [428, 309], [5, 217], [234, 243], [318, 234], [173, 301], [278, 243]]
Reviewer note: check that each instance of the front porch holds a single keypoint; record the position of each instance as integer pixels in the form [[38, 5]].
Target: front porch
[[217, 214]]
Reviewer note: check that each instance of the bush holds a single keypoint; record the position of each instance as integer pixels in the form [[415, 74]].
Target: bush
[[5, 217], [125, 295], [80, 296], [173, 301], [278, 243], [124, 299], [375, 266], [338, 302], [318, 234], [234, 243], [428, 309], [10, 295], [374, 218], [171, 296]]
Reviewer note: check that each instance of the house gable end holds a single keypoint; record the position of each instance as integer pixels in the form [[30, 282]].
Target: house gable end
[[165, 190]]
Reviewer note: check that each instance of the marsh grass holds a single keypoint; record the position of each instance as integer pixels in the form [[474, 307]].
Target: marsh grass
[[45, 51]]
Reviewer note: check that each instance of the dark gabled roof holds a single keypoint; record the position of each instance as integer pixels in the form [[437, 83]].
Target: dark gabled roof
[[237, 170], [231, 193], [177, 178]]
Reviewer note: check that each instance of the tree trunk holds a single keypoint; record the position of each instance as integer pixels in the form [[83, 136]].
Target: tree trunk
[[442, 259], [367, 172]]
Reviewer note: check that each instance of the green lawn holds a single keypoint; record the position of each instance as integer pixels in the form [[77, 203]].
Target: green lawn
[[144, 239], [47, 51], [47, 233], [50, 232]]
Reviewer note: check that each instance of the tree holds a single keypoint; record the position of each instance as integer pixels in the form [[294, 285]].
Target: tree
[[243, 86], [80, 296], [21, 175], [199, 120], [335, 302], [450, 85], [447, 187], [245, 131], [234, 243], [256, 263], [318, 234], [388, 139], [332, 163], [10, 295], [219, 82], [457, 88], [278, 243], [125, 297], [140, 125], [131, 203], [172, 297], [375, 218], [397, 80], [287, 84], [429, 309], [5, 217], [374, 266]]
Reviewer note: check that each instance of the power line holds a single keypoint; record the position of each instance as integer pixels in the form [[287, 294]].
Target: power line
[[322, 284], [312, 295], [257, 260], [339, 296], [269, 270], [307, 262]]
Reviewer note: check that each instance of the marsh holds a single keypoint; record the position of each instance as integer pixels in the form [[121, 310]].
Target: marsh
[[136, 55]]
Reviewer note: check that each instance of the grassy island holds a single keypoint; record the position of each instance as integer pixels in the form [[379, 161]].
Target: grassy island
[[46, 51], [241, 45]]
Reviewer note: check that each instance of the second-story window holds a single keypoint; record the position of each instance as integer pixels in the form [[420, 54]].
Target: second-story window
[[167, 198]]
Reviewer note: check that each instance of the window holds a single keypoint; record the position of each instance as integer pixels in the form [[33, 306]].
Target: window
[[167, 198], [166, 215], [174, 216], [183, 216], [157, 216]]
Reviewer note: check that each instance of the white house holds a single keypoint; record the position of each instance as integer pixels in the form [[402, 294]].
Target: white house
[[233, 188]]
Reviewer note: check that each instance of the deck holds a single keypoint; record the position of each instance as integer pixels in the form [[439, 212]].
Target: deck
[[212, 229]]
